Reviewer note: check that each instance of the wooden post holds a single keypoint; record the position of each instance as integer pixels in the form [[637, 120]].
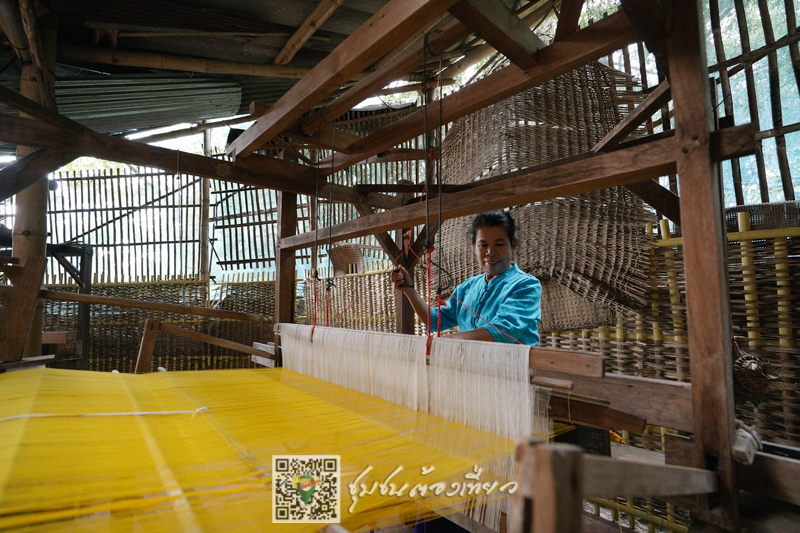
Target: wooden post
[[707, 298], [285, 260], [145, 358], [30, 223], [405, 312]]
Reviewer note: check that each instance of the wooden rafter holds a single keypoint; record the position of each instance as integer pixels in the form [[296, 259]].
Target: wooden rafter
[[583, 46], [582, 173], [410, 58], [46, 92], [657, 98], [399, 18], [501, 28], [568, 18], [312, 23], [660, 198]]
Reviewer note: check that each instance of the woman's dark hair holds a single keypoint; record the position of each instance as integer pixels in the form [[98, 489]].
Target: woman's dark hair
[[497, 218]]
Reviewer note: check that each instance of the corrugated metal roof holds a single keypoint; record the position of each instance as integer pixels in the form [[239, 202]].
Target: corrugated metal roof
[[111, 105]]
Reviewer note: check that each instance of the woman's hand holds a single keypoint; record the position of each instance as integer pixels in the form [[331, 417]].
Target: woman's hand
[[402, 279]]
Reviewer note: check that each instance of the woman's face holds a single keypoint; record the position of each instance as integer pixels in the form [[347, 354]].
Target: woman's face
[[493, 250]]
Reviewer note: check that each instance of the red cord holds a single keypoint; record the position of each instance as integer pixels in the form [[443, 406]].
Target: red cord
[[314, 325]]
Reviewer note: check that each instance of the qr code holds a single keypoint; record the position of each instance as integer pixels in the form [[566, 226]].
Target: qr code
[[305, 489]]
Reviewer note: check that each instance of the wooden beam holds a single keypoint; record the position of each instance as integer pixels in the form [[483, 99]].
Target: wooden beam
[[707, 296], [216, 341], [659, 402], [501, 28], [568, 18], [595, 41], [133, 58], [144, 360], [312, 23], [407, 60], [273, 173], [374, 38], [46, 90], [605, 476], [660, 198], [149, 306], [285, 261], [775, 476], [567, 409], [397, 154], [24, 172], [578, 174], [653, 102]]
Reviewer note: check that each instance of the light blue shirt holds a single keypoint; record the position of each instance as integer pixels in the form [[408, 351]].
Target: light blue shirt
[[509, 303]]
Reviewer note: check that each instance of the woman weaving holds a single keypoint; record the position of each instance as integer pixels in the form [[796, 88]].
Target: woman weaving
[[499, 305]]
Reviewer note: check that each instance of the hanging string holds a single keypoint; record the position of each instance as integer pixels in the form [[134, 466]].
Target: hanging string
[[329, 280], [315, 251]]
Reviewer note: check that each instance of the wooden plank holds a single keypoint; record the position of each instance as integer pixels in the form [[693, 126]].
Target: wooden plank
[[660, 198], [19, 305], [659, 402], [406, 61], [605, 476], [144, 360], [263, 361], [27, 362], [150, 306], [595, 415], [24, 172], [657, 98], [395, 21], [57, 337], [583, 46], [567, 361], [568, 18], [707, 298], [285, 263], [216, 341], [312, 23], [501, 28]]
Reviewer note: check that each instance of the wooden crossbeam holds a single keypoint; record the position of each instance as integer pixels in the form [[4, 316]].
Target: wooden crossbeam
[[407, 60], [595, 41], [260, 171], [583, 173], [660, 198], [568, 409], [568, 18], [654, 101], [501, 28], [395, 21], [24, 172], [312, 23], [605, 476]]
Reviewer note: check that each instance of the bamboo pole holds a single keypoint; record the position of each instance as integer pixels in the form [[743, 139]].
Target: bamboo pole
[[658, 340], [675, 301], [750, 287], [785, 337], [150, 306]]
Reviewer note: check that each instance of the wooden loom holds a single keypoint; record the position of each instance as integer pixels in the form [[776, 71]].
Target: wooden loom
[[703, 408]]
